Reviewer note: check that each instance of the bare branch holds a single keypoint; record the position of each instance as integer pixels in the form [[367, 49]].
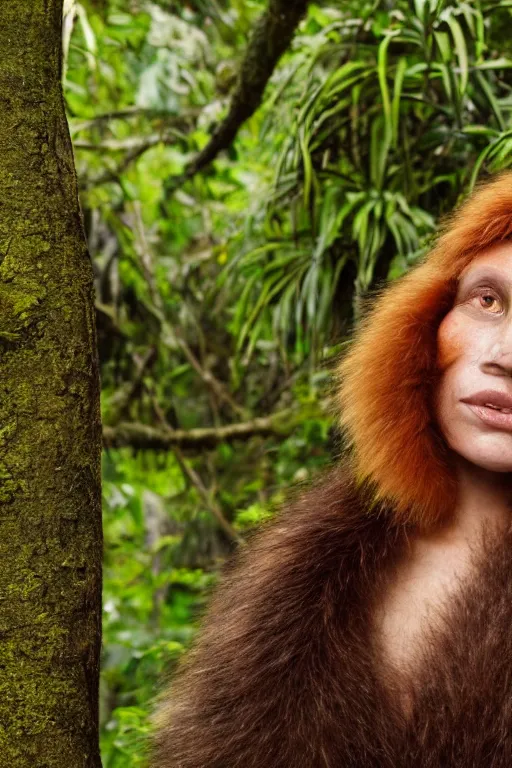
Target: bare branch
[[131, 144], [208, 378], [194, 478], [121, 401], [130, 157], [272, 35], [207, 497], [145, 437], [124, 114]]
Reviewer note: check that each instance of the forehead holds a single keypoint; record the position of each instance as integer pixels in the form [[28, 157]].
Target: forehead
[[497, 257]]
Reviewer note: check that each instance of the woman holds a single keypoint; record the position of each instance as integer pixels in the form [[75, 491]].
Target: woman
[[370, 624]]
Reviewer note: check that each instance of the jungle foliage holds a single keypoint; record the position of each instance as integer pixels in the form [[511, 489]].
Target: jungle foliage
[[225, 298]]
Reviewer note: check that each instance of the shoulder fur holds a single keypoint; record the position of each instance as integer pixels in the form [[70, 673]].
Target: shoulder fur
[[277, 669], [284, 674]]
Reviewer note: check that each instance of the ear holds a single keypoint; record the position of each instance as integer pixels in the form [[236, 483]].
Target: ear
[[387, 380]]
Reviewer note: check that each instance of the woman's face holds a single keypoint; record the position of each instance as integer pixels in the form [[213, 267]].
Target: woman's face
[[474, 348]]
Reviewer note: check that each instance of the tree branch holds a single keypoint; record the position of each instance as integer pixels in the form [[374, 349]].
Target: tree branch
[[178, 121], [122, 399], [272, 35], [132, 144], [114, 175], [207, 497], [134, 149], [195, 479], [145, 437], [208, 378]]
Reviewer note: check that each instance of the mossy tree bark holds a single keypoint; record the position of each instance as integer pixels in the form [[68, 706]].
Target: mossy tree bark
[[50, 435]]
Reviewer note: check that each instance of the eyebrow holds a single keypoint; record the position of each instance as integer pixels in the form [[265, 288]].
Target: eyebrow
[[485, 272]]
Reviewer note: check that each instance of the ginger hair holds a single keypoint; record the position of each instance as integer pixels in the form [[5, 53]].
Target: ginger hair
[[388, 377]]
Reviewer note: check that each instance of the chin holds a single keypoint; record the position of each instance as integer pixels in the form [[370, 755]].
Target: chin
[[493, 458], [495, 466]]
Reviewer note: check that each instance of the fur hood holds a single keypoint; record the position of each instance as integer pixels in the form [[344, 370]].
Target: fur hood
[[387, 379]]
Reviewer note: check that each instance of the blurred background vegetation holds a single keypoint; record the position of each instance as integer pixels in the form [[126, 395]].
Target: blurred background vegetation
[[228, 284]]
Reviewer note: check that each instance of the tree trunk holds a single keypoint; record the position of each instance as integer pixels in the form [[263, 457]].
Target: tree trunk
[[50, 436]]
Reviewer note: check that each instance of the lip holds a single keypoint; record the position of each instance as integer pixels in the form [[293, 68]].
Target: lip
[[499, 399], [490, 416]]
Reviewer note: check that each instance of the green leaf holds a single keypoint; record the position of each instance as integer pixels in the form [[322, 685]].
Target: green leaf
[[382, 61], [493, 64], [397, 92], [480, 130], [493, 102], [308, 167], [461, 50], [360, 229], [443, 43], [89, 36], [380, 142]]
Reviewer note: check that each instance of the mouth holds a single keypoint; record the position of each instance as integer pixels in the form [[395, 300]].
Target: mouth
[[493, 416]]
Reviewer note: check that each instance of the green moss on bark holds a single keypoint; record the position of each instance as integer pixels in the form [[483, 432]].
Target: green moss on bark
[[50, 432]]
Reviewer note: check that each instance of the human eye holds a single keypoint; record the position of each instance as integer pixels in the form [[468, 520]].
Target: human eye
[[487, 298]]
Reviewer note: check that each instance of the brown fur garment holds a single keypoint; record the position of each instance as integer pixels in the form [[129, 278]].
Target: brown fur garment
[[281, 676], [462, 712], [284, 675]]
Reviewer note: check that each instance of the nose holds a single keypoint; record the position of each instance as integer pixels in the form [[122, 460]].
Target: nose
[[499, 357]]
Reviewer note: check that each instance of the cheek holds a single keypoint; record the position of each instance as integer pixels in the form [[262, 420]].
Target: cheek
[[452, 340], [441, 396], [452, 345]]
